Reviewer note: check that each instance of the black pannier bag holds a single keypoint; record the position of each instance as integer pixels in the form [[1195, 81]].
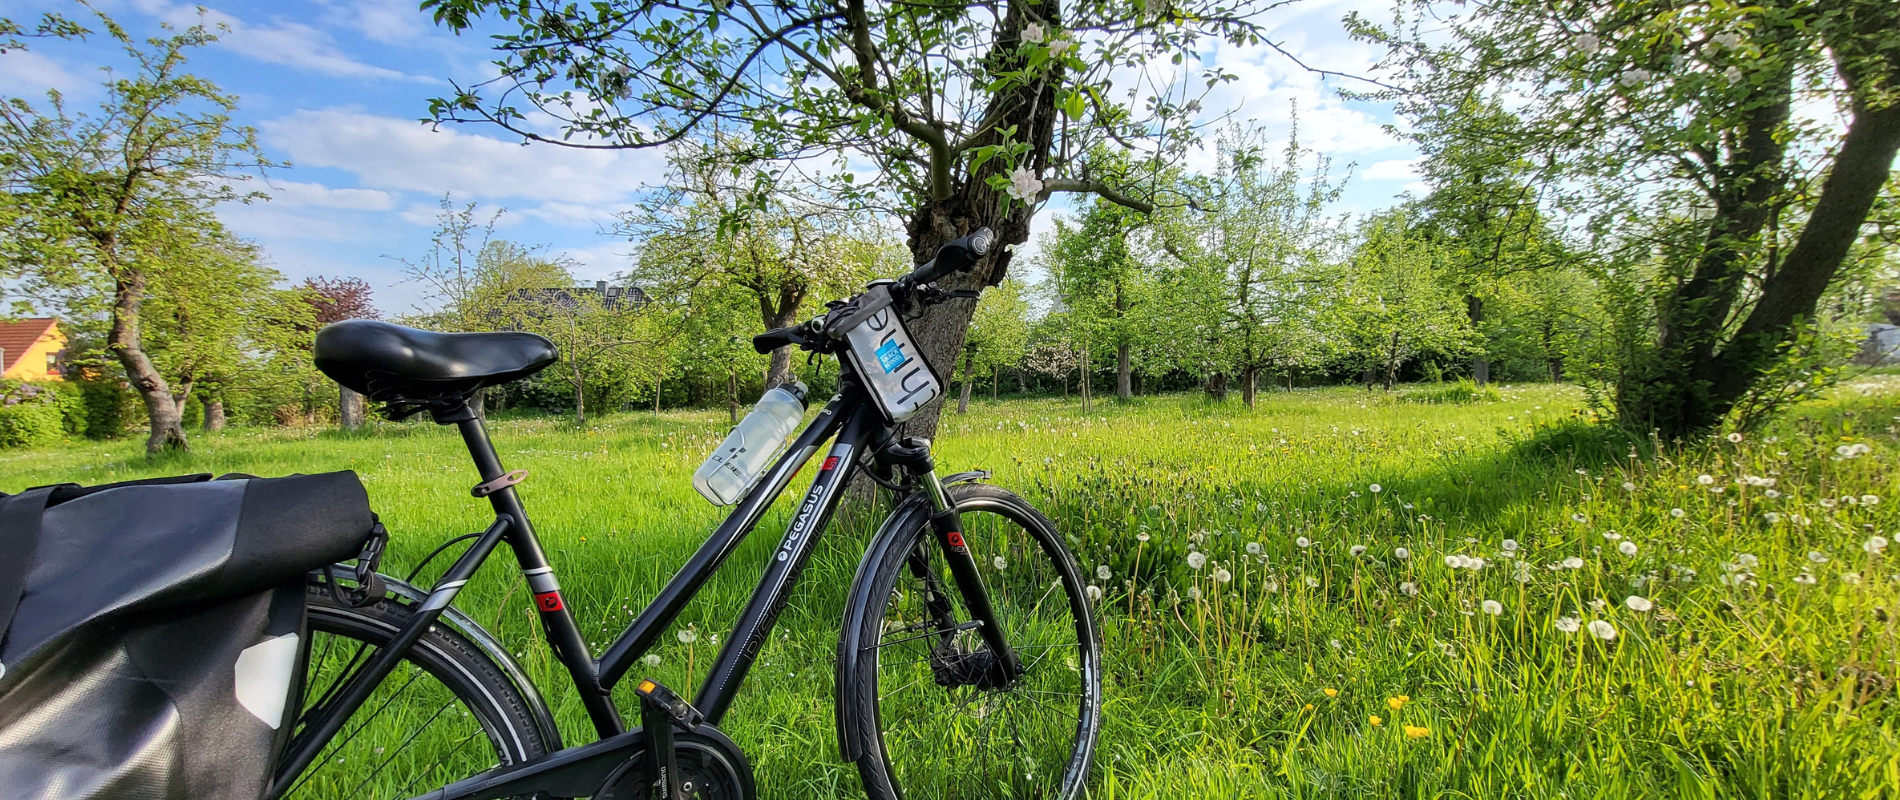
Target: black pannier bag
[[152, 632]]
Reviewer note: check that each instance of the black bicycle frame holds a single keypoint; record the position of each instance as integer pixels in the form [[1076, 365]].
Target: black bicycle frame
[[850, 417]]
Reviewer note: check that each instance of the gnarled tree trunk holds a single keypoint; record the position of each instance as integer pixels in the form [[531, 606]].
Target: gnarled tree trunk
[[214, 410], [161, 409]]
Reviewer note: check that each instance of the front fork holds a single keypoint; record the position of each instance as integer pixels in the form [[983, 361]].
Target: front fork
[[913, 454]]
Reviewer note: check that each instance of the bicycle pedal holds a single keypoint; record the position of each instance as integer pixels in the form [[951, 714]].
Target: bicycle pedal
[[653, 693]]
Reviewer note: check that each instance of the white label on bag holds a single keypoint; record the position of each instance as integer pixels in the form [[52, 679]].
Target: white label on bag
[[892, 364], [263, 677]]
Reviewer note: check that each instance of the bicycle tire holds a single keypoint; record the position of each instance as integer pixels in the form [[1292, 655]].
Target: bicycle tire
[[491, 708], [878, 597]]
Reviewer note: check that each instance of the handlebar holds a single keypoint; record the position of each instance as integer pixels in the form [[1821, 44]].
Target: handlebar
[[956, 255]]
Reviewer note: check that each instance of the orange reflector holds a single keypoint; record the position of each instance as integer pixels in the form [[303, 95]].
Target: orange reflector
[[647, 686]]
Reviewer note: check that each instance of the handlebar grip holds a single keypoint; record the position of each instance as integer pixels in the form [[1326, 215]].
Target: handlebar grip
[[774, 339], [956, 255]]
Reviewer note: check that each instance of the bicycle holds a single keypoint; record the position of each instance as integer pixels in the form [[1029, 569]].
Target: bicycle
[[968, 661]]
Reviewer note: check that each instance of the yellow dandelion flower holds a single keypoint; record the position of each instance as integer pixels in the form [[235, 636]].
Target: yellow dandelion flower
[[1376, 721], [1309, 707], [1415, 732], [1394, 703], [1330, 691], [1405, 698]]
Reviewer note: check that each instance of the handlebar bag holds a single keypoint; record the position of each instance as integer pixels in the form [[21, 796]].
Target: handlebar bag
[[154, 640], [896, 374]]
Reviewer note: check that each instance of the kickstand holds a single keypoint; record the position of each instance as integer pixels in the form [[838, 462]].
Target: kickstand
[[660, 710]]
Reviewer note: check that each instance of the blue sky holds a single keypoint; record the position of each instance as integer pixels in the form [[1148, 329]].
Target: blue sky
[[335, 88]]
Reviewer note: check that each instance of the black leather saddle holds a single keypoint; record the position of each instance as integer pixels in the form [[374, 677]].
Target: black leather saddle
[[393, 364]]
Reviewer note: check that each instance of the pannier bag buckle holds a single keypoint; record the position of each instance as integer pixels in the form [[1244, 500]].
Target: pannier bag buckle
[[487, 488]]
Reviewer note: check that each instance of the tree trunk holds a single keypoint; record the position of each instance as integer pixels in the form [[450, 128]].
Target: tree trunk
[[1674, 396], [1124, 373], [1864, 164], [349, 408], [996, 380], [1216, 387], [1084, 381], [214, 411], [1480, 368], [580, 396], [1392, 363], [656, 396], [1248, 385], [478, 403], [161, 411], [732, 396], [969, 377]]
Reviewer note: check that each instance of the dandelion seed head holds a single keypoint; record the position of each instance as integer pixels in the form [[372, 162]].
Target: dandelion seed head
[[1627, 548], [1492, 607], [1678, 513], [1569, 624], [1197, 560], [1409, 589], [1253, 548], [1735, 438], [1375, 488], [1629, 487], [1850, 578], [1401, 553], [1602, 629], [1356, 550], [1221, 575], [1094, 592], [1510, 545], [1303, 542], [1875, 545], [1103, 572], [1573, 562], [1637, 603], [1000, 563]]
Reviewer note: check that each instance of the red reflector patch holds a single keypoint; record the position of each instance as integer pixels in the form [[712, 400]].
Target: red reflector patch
[[548, 601], [831, 462], [956, 538]]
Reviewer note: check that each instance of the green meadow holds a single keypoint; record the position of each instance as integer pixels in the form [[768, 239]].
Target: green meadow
[[1337, 593]]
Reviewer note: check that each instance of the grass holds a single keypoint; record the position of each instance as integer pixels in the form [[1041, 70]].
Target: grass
[[1283, 661]]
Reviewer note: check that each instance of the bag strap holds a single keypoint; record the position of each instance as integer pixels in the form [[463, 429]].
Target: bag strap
[[19, 541]]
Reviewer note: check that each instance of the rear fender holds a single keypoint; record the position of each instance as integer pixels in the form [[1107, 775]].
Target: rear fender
[[484, 641]]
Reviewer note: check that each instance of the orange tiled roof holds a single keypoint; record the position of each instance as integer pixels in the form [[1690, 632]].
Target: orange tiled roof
[[18, 337]]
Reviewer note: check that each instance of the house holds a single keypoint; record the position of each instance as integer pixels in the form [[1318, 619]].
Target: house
[[612, 298], [30, 348]]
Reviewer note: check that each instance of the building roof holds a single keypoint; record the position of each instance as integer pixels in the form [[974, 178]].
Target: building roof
[[18, 337]]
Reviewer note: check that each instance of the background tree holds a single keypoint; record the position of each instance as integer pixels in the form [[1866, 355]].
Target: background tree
[[1250, 261], [334, 300], [999, 337], [721, 226], [1390, 301], [1663, 110], [970, 115], [1102, 284], [99, 206], [202, 321]]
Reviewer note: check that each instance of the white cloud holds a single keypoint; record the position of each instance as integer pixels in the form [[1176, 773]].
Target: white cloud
[[600, 262], [1396, 169], [400, 154], [24, 73], [386, 21], [290, 44], [295, 194]]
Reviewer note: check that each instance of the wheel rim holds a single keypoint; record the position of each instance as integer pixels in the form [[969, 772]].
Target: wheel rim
[[1028, 739], [412, 734]]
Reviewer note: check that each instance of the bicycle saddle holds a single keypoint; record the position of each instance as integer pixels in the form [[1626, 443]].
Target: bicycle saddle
[[391, 364]]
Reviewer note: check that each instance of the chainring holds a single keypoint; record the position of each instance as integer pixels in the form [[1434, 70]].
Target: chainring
[[711, 768]]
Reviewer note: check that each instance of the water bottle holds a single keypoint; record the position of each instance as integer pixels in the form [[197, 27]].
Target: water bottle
[[741, 458]]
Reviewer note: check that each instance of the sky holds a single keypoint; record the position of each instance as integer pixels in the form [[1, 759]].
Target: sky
[[336, 89]]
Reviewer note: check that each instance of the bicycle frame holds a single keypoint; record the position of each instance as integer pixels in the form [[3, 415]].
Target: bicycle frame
[[849, 416]]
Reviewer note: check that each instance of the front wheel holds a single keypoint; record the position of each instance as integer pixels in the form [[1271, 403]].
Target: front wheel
[[924, 719]]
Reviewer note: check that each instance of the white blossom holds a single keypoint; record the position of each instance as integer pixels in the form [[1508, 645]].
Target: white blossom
[[1025, 186], [1060, 46], [1729, 39], [1634, 76], [1588, 43], [1033, 32]]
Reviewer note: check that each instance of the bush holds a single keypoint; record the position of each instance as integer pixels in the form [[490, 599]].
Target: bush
[[29, 415], [1464, 392], [106, 405]]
